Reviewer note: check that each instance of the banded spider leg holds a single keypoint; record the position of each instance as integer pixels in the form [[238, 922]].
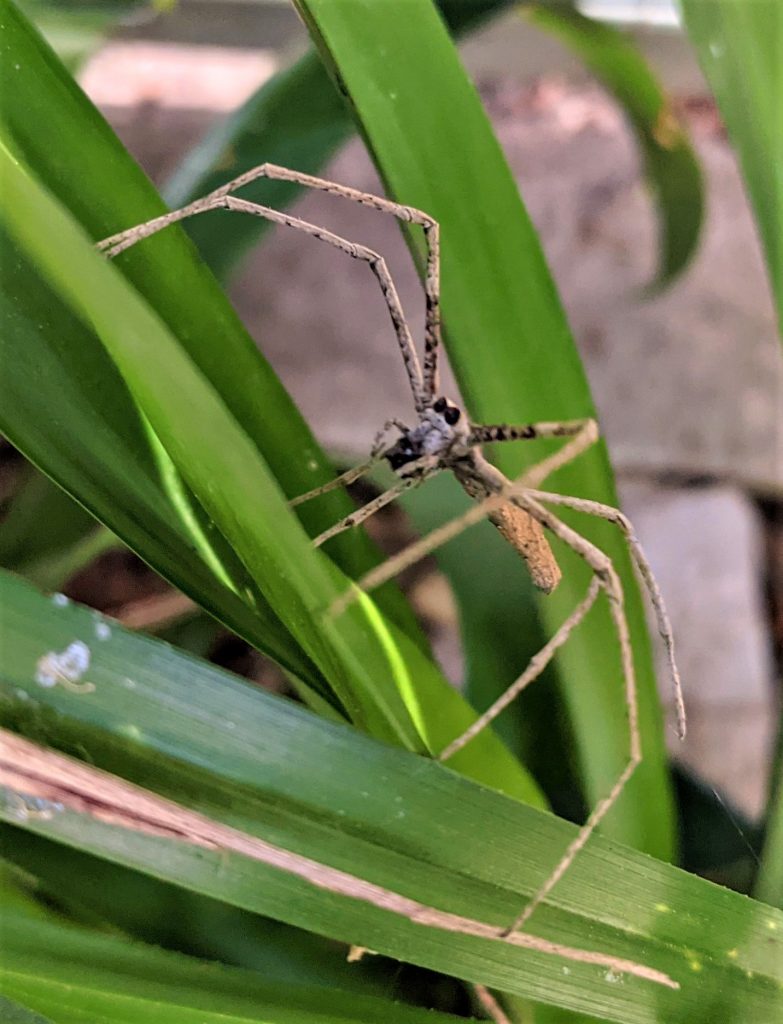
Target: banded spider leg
[[424, 382]]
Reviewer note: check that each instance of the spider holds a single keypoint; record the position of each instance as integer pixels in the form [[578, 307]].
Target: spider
[[443, 437]]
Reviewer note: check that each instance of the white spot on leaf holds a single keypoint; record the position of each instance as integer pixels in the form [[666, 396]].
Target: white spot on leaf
[[65, 668]]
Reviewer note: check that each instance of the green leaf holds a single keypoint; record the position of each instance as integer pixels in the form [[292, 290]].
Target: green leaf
[[72, 975], [508, 343], [261, 770], [105, 455], [37, 501], [166, 915], [670, 163], [207, 445], [53, 571], [64, 404], [769, 883], [100, 450], [738, 45]]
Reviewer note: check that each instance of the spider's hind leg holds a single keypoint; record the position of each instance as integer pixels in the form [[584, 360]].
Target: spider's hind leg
[[609, 581], [616, 517]]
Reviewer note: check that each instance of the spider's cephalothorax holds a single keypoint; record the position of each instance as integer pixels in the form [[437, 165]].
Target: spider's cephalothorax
[[441, 436]]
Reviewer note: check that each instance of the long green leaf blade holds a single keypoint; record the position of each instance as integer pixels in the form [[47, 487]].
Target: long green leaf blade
[[52, 125], [769, 883], [738, 44], [508, 343], [261, 768], [72, 975], [205, 444]]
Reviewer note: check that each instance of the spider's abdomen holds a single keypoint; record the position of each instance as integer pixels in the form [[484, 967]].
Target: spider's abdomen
[[524, 534]]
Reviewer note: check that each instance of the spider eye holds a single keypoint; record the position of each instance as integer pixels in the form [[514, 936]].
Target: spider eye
[[405, 445], [439, 405], [451, 415]]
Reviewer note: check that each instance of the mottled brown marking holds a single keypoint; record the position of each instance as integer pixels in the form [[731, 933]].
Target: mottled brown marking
[[480, 479], [527, 537]]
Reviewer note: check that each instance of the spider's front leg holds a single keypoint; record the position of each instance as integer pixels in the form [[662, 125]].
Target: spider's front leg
[[355, 472], [419, 471]]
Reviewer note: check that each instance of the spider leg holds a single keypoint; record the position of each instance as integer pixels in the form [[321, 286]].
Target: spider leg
[[342, 480], [609, 582], [615, 516], [220, 199], [348, 477], [604, 578], [363, 513], [490, 1005], [115, 244], [583, 434], [535, 667], [379, 441], [408, 214], [417, 550]]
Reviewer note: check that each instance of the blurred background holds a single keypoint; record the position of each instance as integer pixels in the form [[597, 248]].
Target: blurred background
[[688, 381]]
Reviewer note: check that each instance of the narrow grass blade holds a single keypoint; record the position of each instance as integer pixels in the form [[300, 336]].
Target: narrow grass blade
[[41, 521], [209, 448], [508, 342], [50, 124], [73, 974], [739, 46], [377, 674], [769, 883]]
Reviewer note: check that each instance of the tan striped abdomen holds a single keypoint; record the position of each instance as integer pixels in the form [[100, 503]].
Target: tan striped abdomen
[[524, 534]]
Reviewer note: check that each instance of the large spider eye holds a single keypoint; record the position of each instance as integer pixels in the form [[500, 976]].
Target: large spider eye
[[405, 445], [439, 405], [451, 415]]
